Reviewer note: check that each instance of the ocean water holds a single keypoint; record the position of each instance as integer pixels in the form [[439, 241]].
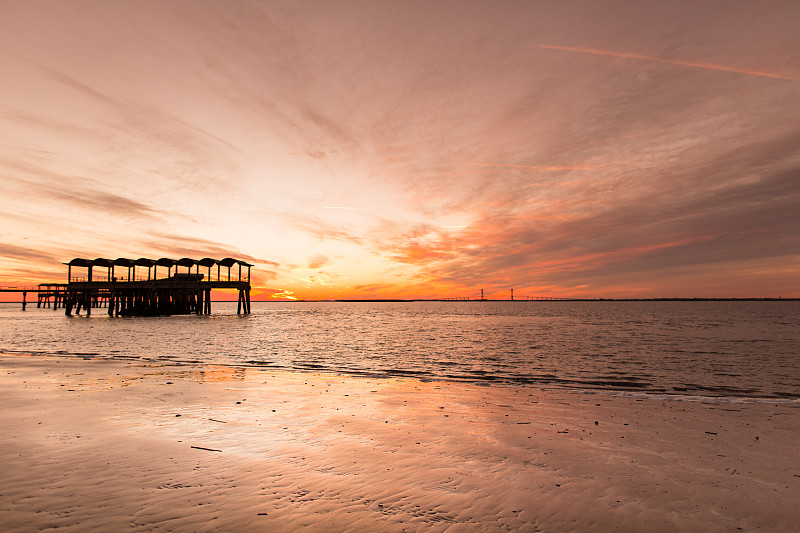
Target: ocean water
[[683, 349]]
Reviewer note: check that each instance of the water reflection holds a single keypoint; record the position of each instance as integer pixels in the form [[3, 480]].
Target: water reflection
[[701, 348]]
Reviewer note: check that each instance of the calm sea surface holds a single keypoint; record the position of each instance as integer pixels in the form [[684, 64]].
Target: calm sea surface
[[721, 349]]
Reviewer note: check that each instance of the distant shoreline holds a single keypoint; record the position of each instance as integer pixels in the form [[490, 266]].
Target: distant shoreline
[[554, 299], [542, 299]]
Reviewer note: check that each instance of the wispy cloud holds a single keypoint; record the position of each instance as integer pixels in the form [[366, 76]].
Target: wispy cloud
[[186, 246], [318, 261], [102, 201], [24, 254], [319, 228]]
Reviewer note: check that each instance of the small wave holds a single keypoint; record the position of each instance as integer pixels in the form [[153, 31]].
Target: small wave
[[309, 365], [788, 402], [613, 382], [719, 389], [401, 372]]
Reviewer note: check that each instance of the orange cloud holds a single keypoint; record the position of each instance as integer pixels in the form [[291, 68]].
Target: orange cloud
[[318, 261], [319, 228], [414, 253]]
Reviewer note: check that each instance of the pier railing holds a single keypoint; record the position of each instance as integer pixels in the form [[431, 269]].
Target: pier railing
[[18, 288]]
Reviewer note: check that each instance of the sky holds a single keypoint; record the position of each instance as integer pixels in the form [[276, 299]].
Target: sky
[[409, 149]]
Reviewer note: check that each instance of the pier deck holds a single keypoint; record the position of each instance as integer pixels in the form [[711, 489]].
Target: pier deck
[[153, 297]]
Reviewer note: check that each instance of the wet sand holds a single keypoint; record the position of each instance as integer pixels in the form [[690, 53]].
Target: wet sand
[[114, 445]]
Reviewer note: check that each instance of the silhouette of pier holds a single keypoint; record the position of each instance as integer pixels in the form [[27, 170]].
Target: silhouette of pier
[[147, 287]]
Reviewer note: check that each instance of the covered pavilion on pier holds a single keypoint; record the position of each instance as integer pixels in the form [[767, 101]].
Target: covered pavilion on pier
[[134, 287]]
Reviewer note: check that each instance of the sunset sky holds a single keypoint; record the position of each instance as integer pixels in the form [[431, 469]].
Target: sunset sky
[[409, 148]]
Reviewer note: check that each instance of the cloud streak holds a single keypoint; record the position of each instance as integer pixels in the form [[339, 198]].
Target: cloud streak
[[21, 253], [540, 168]]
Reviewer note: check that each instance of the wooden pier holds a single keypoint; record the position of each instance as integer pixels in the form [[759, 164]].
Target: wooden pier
[[145, 287], [125, 290], [51, 291]]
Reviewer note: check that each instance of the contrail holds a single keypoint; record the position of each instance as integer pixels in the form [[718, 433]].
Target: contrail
[[593, 167], [709, 66]]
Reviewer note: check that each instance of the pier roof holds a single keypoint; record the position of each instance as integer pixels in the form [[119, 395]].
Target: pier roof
[[164, 261], [122, 261]]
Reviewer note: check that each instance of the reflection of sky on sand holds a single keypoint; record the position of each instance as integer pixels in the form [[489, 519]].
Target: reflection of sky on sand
[[442, 452], [285, 451], [219, 373]]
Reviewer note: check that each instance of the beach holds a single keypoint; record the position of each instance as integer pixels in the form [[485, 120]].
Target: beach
[[108, 444]]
